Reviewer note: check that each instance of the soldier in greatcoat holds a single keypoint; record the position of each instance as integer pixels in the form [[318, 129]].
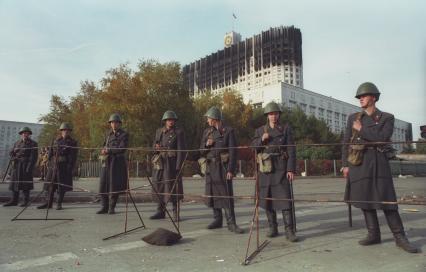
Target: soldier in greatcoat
[[167, 163], [217, 144], [114, 175], [274, 182], [62, 157], [23, 158], [370, 179]]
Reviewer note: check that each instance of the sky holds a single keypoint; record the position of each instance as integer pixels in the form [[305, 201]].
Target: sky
[[49, 47]]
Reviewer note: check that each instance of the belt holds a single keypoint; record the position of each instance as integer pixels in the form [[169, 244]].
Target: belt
[[371, 147]]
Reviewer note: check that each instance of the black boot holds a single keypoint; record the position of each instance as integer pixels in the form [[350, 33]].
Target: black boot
[[26, 198], [105, 204], [373, 228], [273, 225], [397, 228], [230, 220], [61, 195], [218, 219], [13, 201], [289, 226], [160, 214], [112, 203], [49, 200]]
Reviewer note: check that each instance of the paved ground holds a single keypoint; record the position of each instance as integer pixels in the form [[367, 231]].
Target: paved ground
[[328, 244]]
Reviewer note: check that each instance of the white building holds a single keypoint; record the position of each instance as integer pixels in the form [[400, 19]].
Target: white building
[[272, 56], [9, 134], [332, 111]]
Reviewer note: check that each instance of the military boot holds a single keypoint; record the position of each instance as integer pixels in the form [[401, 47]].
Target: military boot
[[13, 201], [160, 214], [230, 220], [373, 228], [218, 219], [60, 200], [397, 228], [289, 226], [26, 198], [112, 203], [273, 225], [105, 204], [49, 200]]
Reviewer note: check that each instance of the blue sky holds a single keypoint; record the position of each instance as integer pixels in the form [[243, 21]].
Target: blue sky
[[48, 47]]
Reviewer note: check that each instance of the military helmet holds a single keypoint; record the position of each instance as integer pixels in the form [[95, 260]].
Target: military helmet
[[214, 113], [25, 129], [367, 88], [115, 117], [65, 126], [169, 115], [271, 107]]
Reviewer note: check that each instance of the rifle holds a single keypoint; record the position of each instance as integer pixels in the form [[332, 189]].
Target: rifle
[[7, 168]]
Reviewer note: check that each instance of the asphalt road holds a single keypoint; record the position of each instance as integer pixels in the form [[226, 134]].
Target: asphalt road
[[327, 242]]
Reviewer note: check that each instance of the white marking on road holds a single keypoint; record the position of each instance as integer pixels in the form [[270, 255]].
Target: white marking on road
[[120, 247], [38, 261], [139, 244]]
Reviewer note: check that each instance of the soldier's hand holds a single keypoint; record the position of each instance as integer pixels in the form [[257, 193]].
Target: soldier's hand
[[157, 146], [345, 171], [229, 176], [357, 125], [290, 176], [209, 142], [104, 151], [265, 137]]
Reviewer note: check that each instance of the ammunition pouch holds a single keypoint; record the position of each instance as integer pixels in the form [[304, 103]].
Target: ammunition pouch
[[265, 162], [284, 155], [103, 159], [224, 157], [157, 162], [356, 154], [202, 162]]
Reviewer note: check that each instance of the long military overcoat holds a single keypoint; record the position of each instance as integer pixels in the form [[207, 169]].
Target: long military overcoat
[[114, 176], [372, 180], [62, 158], [24, 157], [276, 184], [216, 182], [164, 179]]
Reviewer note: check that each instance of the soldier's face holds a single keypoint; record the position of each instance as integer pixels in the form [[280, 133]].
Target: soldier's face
[[65, 133], [25, 135], [211, 122], [170, 123], [273, 117], [366, 101], [115, 125]]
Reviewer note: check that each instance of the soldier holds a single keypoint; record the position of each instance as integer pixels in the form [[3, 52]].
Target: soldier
[[62, 157], [220, 156], [371, 178], [24, 156], [42, 163], [114, 177], [274, 179], [167, 164]]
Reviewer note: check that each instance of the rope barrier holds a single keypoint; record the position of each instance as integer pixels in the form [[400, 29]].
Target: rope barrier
[[151, 149]]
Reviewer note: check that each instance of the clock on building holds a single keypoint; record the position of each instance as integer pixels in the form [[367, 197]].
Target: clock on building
[[228, 40]]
